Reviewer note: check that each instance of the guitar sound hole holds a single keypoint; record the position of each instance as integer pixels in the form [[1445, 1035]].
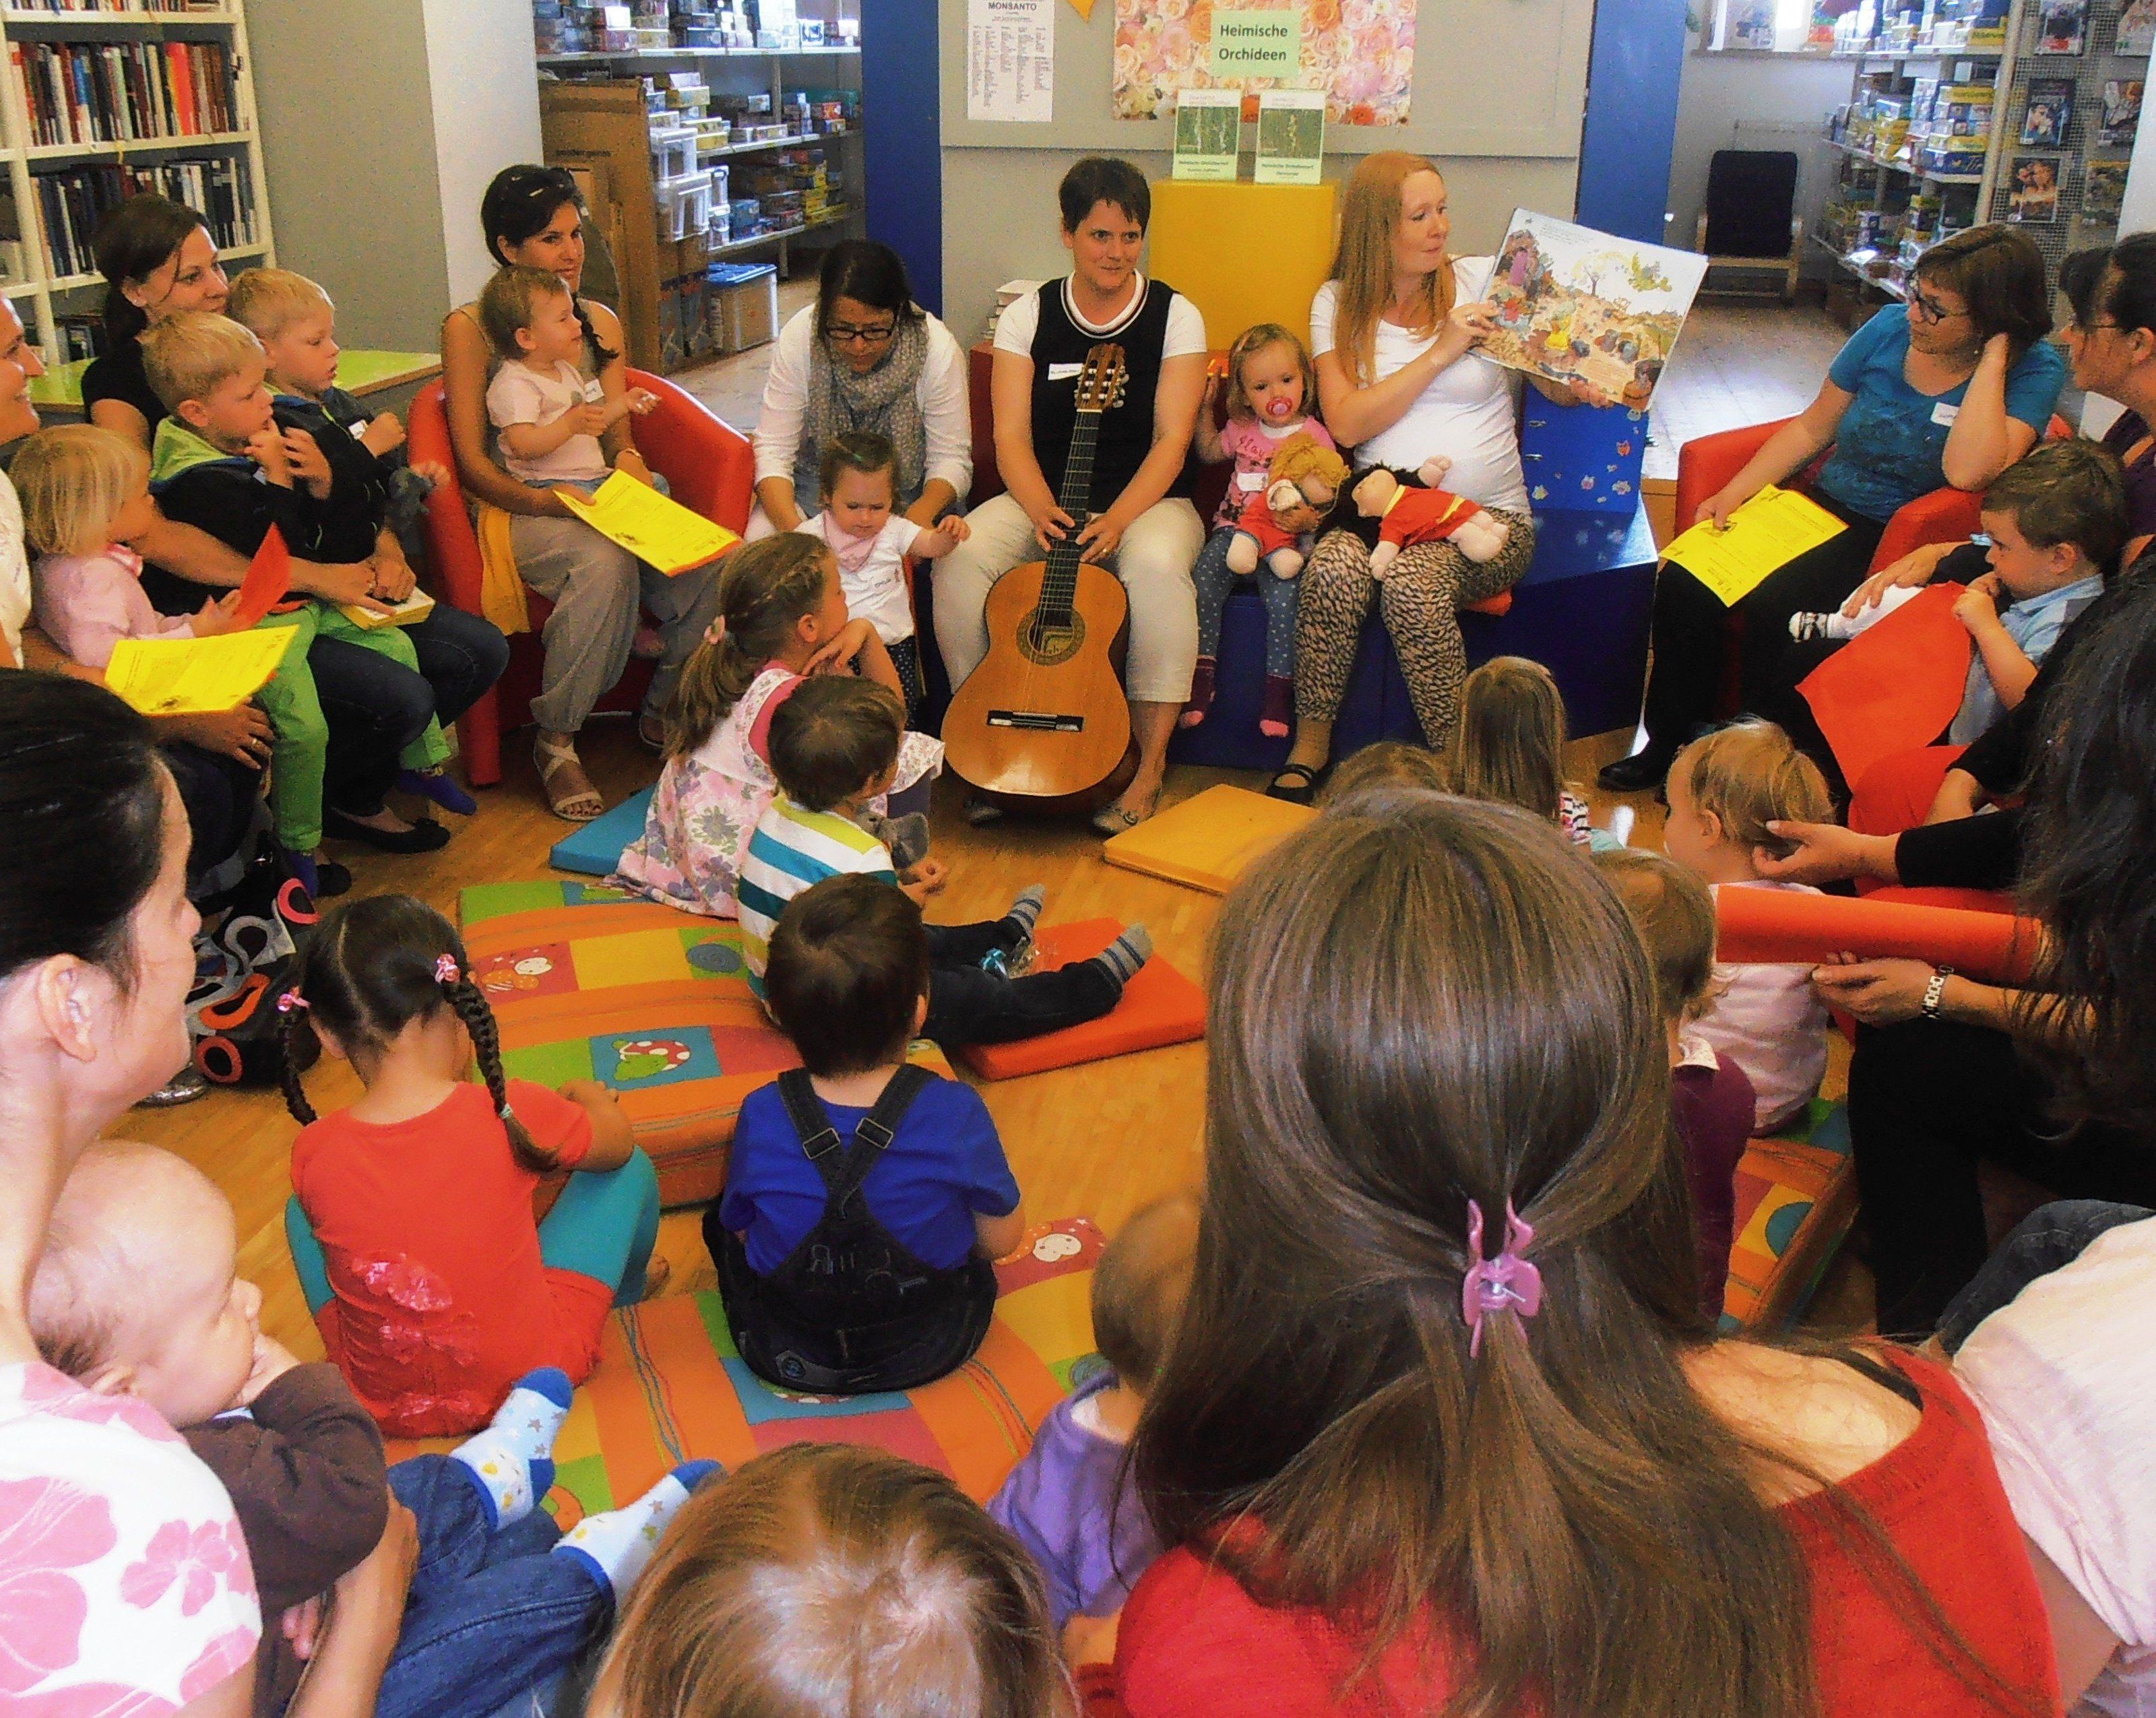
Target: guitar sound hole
[[1051, 645]]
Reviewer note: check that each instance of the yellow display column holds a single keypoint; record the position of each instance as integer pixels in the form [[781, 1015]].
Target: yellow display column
[[1243, 253]]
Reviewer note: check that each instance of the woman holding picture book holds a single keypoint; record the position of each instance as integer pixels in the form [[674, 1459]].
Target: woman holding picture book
[[1950, 387]]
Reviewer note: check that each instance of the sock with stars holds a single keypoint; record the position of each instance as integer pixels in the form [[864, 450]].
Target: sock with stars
[[512, 1461], [615, 1546]]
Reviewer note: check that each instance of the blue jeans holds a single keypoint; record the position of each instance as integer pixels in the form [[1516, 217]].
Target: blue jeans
[[490, 1615], [2049, 1239], [376, 708], [603, 1226]]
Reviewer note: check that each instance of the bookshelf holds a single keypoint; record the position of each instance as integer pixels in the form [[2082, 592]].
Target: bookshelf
[[99, 99]]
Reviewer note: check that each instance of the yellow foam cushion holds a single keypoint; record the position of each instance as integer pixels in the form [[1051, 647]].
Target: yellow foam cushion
[[1205, 842], [1243, 253]]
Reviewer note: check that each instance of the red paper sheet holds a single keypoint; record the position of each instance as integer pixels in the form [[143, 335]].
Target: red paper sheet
[[269, 576], [1893, 687]]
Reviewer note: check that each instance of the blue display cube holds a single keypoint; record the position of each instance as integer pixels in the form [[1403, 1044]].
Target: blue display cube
[[1578, 459]]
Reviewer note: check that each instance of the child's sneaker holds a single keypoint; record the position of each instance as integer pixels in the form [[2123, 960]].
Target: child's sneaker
[[1811, 628]]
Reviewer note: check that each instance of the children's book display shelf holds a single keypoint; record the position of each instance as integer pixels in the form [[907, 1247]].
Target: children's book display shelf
[[48, 272]]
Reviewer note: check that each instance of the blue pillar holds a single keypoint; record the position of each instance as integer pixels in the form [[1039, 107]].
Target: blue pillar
[[1630, 136], [904, 145]]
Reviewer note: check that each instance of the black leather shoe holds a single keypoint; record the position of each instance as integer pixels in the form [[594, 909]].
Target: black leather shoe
[[425, 836], [1642, 770]]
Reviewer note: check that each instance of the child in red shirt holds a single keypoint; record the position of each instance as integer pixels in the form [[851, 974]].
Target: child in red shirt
[[411, 1221]]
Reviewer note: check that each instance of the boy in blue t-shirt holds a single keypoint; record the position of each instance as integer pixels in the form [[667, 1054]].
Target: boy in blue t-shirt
[[865, 1198]]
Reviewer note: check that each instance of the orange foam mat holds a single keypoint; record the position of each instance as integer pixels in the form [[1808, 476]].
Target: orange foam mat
[[1159, 1006], [1786, 925], [1206, 842]]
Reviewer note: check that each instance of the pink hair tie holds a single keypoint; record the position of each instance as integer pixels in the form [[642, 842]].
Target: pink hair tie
[[290, 1001], [716, 633], [1506, 1283], [446, 971]]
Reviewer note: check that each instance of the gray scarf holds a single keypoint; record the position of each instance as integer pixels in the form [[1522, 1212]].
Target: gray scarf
[[887, 401]]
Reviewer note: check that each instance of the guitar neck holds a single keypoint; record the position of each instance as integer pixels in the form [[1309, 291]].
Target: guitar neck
[[1058, 589]]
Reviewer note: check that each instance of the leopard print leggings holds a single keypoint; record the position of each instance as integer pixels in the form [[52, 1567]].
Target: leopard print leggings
[[1418, 600]]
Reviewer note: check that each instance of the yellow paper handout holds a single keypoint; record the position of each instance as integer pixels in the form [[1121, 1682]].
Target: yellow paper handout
[[1764, 536], [196, 676], [656, 529]]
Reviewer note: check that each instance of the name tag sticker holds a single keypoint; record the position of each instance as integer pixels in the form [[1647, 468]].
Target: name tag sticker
[[1943, 413], [1064, 372], [1250, 481], [594, 394]]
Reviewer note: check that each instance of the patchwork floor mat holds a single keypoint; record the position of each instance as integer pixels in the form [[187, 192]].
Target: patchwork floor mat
[[671, 1387], [588, 982]]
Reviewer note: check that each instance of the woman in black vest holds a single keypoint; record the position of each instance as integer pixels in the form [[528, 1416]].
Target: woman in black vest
[[1142, 525]]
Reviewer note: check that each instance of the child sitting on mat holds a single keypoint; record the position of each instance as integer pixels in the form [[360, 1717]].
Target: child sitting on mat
[[1071, 1502], [834, 748], [1509, 747], [860, 475], [864, 1197], [1723, 792], [1710, 1096], [831, 1581], [782, 619], [137, 1293], [410, 1221]]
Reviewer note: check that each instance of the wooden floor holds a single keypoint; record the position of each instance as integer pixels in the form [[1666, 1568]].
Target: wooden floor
[[1098, 1141]]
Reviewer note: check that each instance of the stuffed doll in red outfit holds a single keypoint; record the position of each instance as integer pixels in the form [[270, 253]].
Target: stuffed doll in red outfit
[[1274, 526], [1411, 516]]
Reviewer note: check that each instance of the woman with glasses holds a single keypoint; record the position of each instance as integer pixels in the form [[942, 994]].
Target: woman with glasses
[[532, 217], [864, 357], [1950, 387]]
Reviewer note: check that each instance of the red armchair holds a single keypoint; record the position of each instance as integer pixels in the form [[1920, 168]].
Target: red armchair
[[710, 468], [1707, 462]]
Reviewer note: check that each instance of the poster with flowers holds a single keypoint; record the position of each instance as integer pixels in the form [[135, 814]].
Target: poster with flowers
[[1360, 52]]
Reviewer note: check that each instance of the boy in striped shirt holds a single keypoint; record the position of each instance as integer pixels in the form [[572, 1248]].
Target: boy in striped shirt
[[834, 748]]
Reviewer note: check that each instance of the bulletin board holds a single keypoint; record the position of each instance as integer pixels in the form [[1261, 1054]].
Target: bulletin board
[[1489, 78]]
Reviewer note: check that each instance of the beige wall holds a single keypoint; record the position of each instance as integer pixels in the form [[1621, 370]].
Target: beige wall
[[381, 122], [1500, 88]]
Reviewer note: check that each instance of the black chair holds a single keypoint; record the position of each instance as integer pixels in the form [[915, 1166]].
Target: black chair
[[1749, 223]]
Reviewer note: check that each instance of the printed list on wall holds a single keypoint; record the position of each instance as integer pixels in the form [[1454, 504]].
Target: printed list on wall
[[1010, 61], [1359, 54]]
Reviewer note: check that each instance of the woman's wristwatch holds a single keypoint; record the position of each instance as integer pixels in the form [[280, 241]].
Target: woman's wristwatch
[[1935, 992]]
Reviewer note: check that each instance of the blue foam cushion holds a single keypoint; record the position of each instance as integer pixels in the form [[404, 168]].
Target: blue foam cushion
[[595, 848]]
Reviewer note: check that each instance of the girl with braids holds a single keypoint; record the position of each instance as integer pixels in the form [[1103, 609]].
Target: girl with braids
[[410, 1221], [782, 617], [1468, 1443]]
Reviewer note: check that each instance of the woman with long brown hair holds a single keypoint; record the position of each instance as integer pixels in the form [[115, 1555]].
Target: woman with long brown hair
[[1394, 334], [1443, 1428]]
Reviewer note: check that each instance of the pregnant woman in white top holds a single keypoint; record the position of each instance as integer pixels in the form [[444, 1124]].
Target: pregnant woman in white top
[[1393, 333]]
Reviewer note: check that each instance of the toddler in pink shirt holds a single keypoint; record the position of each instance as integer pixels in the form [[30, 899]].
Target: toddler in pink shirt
[[85, 491], [1723, 790]]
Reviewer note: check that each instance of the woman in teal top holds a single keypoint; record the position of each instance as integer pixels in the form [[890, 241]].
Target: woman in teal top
[[1951, 387]]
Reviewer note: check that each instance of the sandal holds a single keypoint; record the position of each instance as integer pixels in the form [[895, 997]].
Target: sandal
[[1296, 782], [1118, 818], [579, 805]]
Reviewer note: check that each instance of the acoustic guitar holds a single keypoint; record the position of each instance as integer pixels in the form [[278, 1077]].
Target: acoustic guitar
[[1042, 724]]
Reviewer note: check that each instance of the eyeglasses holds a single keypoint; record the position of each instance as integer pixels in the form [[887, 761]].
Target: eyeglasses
[[1931, 309], [847, 334]]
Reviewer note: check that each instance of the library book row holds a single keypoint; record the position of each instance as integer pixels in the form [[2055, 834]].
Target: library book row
[[86, 92], [72, 201]]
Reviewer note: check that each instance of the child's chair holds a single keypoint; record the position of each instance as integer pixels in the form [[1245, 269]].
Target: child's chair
[[1707, 462], [710, 469]]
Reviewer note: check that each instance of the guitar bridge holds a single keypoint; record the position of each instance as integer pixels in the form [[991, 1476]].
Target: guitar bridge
[[1032, 721]]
